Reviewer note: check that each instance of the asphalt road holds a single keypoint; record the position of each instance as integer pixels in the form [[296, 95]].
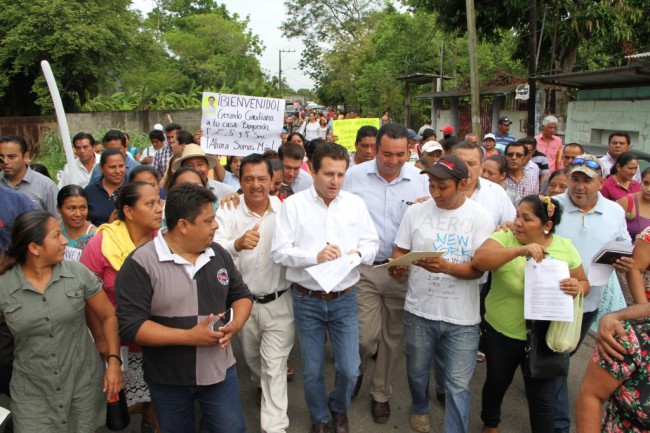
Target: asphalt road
[[514, 417]]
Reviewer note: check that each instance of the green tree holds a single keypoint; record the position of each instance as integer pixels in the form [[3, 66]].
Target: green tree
[[84, 41]]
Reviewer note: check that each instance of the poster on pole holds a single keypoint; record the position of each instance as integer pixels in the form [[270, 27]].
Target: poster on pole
[[239, 125], [346, 130]]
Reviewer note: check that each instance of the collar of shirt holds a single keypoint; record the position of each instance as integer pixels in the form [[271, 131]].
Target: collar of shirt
[[58, 271], [374, 170], [570, 207], [165, 254], [274, 206], [27, 178]]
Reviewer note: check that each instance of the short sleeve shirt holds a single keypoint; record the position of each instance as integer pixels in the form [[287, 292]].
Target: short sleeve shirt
[[504, 305], [52, 347]]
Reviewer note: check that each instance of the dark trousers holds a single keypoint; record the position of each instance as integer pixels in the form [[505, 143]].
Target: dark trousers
[[503, 356], [6, 357]]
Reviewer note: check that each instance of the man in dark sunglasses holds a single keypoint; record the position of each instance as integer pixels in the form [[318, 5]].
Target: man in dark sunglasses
[[589, 220], [518, 179]]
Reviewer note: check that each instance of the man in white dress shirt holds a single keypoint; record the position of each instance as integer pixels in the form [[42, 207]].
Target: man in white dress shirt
[[267, 337], [86, 160], [317, 225]]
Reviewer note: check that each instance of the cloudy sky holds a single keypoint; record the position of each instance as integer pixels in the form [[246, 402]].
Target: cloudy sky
[[265, 18]]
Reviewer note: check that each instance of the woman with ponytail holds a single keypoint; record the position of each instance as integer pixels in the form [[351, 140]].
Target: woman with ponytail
[[139, 216], [59, 382]]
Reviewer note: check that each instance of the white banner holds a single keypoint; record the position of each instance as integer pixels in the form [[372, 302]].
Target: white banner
[[240, 125]]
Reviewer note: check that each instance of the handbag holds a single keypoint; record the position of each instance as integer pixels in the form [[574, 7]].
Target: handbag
[[540, 361], [563, 337]]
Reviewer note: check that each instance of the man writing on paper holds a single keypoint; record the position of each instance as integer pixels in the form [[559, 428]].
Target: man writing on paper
[[316, 225], [386, 184], [590, 221], [267, 337], [442, 301]]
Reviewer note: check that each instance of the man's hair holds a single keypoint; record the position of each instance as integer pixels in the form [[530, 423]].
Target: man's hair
[[329, 150], [186, 201], [516, 144], [550, 119], [16, 139], [83, 136], [114, 134], [252, 159], [291, 150], [449, 142], [578, 145], [470, 134], [619, 134], [468, 146], [184, 137], [173, 127], [156, 134], [391, 130], [527, 140], [366, 131], [109, 152]]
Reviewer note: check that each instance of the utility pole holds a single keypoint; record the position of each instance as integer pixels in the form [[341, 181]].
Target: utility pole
[[473, 68], [532, 66], [280, 68]]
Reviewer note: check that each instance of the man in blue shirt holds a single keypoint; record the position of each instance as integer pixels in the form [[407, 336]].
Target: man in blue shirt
[[388, 186], [502, 134]]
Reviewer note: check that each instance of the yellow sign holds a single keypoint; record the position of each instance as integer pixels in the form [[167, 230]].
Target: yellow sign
[[346, 130]]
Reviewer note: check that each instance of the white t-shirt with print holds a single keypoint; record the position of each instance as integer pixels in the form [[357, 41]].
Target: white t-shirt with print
[[424, 227]]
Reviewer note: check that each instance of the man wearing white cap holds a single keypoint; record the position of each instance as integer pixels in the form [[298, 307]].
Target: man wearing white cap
[[432, 150]]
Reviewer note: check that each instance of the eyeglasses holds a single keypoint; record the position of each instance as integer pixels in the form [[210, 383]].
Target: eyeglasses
[[588, 162], [515, 155]]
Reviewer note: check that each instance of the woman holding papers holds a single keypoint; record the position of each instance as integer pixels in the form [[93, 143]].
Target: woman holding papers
[[504, 331]]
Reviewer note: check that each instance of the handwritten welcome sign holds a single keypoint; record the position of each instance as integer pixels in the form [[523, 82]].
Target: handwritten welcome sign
[[240, 125], [346, 130]]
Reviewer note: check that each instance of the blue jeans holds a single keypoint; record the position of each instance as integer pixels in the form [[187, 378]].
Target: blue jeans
[[313, 317], [561, 405], [459, 345], [220, 406]]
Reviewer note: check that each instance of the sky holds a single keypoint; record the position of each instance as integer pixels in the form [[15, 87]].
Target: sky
[[260, 11]]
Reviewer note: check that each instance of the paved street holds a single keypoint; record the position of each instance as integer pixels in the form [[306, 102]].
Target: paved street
[[515, 410]]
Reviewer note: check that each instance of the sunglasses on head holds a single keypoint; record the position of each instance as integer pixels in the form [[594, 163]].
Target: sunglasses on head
[[588, 162], [515, 155]]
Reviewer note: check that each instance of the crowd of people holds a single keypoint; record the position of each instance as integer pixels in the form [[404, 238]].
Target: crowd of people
[[167, 253]]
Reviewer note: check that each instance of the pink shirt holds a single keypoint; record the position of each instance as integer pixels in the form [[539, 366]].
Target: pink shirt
[[94, 260], [551, 149], [613, 191]]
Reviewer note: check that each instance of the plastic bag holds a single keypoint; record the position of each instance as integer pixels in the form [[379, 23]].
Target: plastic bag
[[563, 337]]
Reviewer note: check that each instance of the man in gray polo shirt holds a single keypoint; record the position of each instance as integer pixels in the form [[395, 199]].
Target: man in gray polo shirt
[[17, 175]]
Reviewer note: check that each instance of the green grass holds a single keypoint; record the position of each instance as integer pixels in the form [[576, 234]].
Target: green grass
[[52, 155]]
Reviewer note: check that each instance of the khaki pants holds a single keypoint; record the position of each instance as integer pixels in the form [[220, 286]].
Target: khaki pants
[[381, 326], [267, 339]]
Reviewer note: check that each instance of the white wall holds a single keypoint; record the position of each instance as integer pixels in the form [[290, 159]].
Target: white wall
[[591, 122]]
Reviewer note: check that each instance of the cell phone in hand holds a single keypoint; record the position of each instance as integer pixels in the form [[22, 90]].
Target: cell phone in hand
[[225, 320]]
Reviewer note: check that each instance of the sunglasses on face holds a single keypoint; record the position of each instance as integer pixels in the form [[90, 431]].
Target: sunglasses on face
[[588, 162], [515, 155]]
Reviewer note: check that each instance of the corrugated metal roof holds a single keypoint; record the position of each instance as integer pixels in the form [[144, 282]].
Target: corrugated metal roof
[[495, 90], [636, 74]]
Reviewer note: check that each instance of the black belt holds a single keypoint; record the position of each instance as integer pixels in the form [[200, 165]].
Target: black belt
[[265, 299], [382, 262], [319, 293]]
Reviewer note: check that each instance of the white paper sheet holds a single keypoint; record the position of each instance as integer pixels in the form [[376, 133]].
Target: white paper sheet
[[409, 258], [329, 274], [543, 298]]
